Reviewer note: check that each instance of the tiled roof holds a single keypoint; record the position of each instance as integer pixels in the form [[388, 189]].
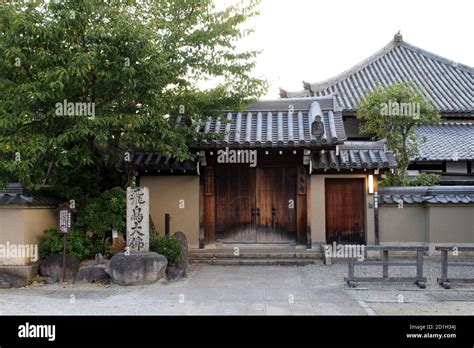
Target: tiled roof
[[445, 142], [15, 194], [276, 123], [153, 161], [427, 195], [354, 155], [449, 85]]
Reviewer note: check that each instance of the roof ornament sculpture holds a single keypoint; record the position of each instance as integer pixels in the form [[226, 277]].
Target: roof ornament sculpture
[[283, 93], [317, 124], [307, 87], [398, 38]]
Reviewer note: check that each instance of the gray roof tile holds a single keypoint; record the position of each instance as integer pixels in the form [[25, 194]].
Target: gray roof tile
[[275, 123], [354, 155], [153, 161], [449, 85], [427, 195], [445, 142], [15, 194]]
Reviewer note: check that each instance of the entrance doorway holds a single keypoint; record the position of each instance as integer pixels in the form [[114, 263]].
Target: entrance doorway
[[345, 201], [255, 205]]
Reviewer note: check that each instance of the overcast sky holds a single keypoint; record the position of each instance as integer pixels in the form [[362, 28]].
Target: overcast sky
[[313, 40]]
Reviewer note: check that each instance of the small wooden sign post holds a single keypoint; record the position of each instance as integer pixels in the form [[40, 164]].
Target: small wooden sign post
[[64, 223]]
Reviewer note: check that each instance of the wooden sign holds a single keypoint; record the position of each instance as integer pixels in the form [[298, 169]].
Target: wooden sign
[[301, 181], [209, 181], [64, 218]]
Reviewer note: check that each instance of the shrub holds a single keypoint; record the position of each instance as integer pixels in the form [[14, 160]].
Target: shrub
[[168, 246], [425, 179], [106, 212], [102, 215], [78, 245]]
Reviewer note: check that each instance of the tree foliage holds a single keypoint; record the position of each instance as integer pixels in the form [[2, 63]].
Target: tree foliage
[[392, 114], [136, 62]]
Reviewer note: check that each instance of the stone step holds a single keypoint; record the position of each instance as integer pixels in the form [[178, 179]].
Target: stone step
[[255, 255], [256, 262]]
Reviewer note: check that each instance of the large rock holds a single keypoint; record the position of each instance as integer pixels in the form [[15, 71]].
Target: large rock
[[137, 268], [182, 265], [92, 274], [52, 267]]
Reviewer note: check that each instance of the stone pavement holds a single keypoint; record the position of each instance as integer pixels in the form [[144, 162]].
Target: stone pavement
[[240, 290]]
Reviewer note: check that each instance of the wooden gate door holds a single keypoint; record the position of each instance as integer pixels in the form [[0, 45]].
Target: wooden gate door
[[345, 210], [255, 205], [235, 198], [275, 202]]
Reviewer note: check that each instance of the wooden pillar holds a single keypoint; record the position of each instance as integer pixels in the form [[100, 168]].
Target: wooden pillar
[[201, 212], [301, 209], [309, 242], [209, 205]]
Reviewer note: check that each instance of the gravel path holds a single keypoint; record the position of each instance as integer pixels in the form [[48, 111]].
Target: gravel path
[[249, 290]]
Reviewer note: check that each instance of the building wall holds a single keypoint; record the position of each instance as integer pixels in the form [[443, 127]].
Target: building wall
[[426, 224], [407, 224], [318, 206], [36, 221], [451, 224], [23, 226], [167, 194]]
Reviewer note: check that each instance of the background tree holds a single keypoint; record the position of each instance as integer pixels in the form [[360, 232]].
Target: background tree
[[392, 114], [137, 62]]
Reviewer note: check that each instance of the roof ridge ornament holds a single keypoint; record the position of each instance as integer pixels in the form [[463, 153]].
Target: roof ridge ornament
[[307, 87], [398, 38]]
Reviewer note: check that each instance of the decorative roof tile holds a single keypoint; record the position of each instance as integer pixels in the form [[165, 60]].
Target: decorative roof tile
[[354, 155], [427, 195], [277, 123]]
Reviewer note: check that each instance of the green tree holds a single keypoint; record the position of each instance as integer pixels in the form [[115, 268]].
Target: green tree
[[392, 114], [133, 64]]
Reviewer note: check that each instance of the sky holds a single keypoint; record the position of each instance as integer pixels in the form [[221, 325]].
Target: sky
[[313, 40]]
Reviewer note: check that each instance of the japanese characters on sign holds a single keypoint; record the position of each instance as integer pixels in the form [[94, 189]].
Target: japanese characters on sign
[[64, 218], [138, 235]]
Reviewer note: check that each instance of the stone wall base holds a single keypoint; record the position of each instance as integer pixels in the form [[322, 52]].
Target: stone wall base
[[27, 271]]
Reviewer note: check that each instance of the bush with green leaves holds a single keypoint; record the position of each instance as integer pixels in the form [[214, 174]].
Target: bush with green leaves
[[100, 216], [424, 179], [105, 213], [78, 244], [168, 246]]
